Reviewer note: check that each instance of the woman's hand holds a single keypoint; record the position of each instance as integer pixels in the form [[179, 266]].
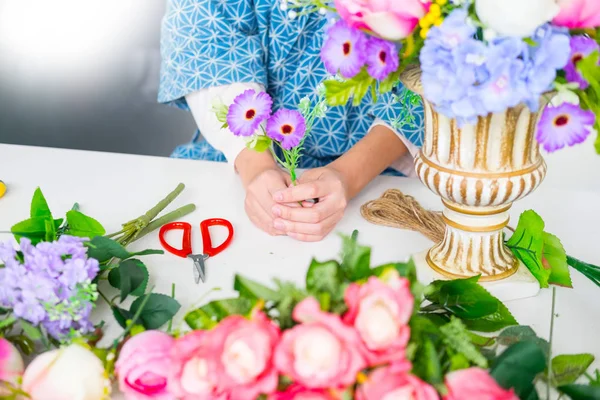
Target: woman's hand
[[311, 222]]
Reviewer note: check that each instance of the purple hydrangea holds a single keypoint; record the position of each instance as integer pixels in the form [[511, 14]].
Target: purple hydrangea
[[344, 50], [566, 124], [287, 127], [581, 47], [50, 284], [248, 111], [382, 58]]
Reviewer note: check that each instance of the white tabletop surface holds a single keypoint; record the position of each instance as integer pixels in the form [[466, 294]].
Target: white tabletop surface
[[115, 188]]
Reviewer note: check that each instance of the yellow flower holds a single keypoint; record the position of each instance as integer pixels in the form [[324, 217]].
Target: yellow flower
[[424, 32], [424, 23], [441, 2], [435, 10], [438, 21]]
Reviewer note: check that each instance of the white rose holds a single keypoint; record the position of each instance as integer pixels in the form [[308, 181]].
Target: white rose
[[518, 18], [72, 372], [11, 364]]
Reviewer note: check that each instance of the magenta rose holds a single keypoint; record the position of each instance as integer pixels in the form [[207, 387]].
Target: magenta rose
[[475, 383], [192, 376], [298, 392], [386, 383], [578, 14], [321, 352], [380, 313], [390, 19], [143, 365], [243, 349]]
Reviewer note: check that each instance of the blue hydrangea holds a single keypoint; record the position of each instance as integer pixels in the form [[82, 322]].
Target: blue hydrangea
[[50, 285], [466, 77]]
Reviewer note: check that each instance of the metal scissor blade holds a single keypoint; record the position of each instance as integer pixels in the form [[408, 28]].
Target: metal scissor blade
[[199, 267]]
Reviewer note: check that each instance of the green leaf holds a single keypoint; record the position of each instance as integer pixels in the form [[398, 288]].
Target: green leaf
[[527, 244], [518, 366], [7, 322], [210, 314], [464, 298], [32, 332], [407, 270], [555, 256], [567, 368], [339, 92], [324, 277], [122, 316], [39, 205], [457, 337], [158, 310], [145, 253], [254, 290], [50, 230], [356, 259], [83, 226], [426, 364], [33, 229], [493, 322], [259, 143], [581, 392], [516, 334], [131, 276], [588, 67], [481, 341], [103, 249], [390, 82]]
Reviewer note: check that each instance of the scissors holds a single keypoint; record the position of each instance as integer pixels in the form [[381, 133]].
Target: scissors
[[186, 250]]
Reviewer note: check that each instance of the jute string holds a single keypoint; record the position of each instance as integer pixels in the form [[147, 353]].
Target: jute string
[[397, 210]]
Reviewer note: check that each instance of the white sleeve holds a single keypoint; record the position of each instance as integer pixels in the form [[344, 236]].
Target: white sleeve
[[201, 104], [406, 163]]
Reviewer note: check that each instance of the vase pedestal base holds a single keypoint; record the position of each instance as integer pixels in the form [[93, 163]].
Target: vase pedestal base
[[520, 285]]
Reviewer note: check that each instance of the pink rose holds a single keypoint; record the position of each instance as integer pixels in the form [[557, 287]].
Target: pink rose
[[390, 19], [380, 313], [578, 14], [243, 350], [321, 352], [191, 376], [143, 365], [475, 383], [388, 384], [11, 363], [298, 392]]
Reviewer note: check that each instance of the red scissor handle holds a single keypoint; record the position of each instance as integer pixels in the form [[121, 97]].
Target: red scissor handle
[[208, 249], [186, 243]]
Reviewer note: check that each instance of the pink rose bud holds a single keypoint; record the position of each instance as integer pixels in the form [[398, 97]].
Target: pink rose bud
[[321, 352], [578, 14], [380, 313], [143, 365], [192, 373], [244, 356], [386, 383], [298, 392], [475, 383], [390, 19], [11, 364], [72, 372]]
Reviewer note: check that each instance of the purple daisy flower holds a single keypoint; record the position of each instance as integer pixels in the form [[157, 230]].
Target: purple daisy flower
[[382, 58], [344, 50], [566, 124], [581, 46], [287, 127], [248, 111]]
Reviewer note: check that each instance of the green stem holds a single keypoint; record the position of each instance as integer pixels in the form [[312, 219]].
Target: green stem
[[165, 219], [551, 339], [105, 298], [136, 316], [172, 296]]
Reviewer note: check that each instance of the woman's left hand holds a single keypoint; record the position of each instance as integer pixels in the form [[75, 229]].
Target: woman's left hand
[[312, 222]]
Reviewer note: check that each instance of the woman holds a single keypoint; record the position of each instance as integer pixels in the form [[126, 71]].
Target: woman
[[216, 49]]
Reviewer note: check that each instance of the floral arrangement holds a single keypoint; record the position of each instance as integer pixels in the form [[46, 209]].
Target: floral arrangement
[[250, 116], [476, 57]]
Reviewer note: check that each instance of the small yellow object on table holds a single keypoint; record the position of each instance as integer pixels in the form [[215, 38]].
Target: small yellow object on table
[[2, 188]]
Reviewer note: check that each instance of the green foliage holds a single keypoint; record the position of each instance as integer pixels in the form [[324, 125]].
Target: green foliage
[[518, 366], [83, 226], [339, 92], [325, 278], [456, 336], [157, 311], [253, 290], [581, 392], [592, 272], [590, 98], [426, 363], [555, 256], [567, 368], [131, 277], [356, 259], [521, 333], [210, 314], [259, 143]]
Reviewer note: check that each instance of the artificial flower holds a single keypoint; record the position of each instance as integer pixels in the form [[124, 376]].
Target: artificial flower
[[72, 372], [191, 374], [320, 352], [243, 350], [566, 124], [578, 14], [248, 111], [581, 46], [385, 383], [11, 365], [52, 286], [516, 18], [298, 392], [344, 50], [390, 19], [380, 313], [475, 383], [382, 58], [143, 366], [287, 127]]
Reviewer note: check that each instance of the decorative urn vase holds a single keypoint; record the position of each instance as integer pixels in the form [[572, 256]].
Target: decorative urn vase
[[479, 171]]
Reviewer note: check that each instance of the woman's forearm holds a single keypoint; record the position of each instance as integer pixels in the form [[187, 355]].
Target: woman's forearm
[[249, 164], [369, 158]]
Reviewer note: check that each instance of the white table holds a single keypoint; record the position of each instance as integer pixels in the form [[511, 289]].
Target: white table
[[115, 188]]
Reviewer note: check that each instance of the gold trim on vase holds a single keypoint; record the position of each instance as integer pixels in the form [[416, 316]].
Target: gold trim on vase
[[465, 211], [482, 278], [480, 175], [465, 228]]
